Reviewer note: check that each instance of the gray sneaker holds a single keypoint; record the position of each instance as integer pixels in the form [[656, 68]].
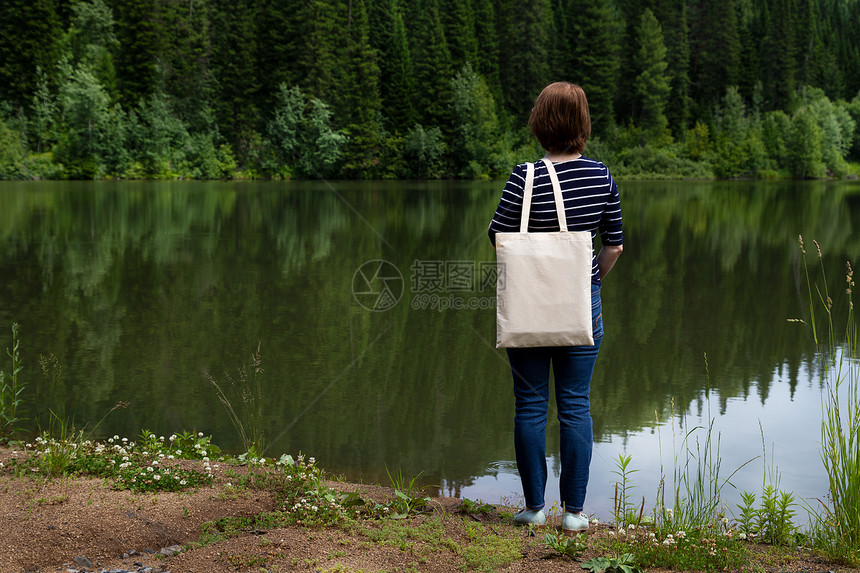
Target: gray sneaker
[[573, 523], [533, 517]]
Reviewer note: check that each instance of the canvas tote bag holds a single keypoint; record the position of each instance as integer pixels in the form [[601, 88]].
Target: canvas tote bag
[[543, 289]]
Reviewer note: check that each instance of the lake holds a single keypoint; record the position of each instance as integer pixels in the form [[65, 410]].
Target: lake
[[372, 305]]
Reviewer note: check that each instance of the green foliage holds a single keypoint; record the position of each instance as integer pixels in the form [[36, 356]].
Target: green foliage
[[472, 507], [12, 387], [301, 133], [803, 146], [837, 129], [423, 150], [12, 153], [139, 88], [145, 466], [408, 498], [161, 140], [680, 549], [44, 114], [623, 510], [480, 143], [572, 546], [773, 521], [92, 40], [86, 116], [622, 564]]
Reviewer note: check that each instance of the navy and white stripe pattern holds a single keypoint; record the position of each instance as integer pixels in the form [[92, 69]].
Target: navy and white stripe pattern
[[591, 203]]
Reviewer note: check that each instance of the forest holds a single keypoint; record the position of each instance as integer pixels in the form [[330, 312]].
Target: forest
[[386, 89]]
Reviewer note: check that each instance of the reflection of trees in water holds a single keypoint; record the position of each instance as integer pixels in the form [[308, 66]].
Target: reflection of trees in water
[[140, 287]]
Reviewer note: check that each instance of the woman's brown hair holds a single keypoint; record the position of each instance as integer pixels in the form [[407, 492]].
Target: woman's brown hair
[[560, 118]]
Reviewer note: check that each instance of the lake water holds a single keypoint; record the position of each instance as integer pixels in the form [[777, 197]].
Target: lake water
[[372, 306]]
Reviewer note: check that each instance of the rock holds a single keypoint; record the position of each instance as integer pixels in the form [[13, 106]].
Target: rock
[[83, 562], [170, 551]]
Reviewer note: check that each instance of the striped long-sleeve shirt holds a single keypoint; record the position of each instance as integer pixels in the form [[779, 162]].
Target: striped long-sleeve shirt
[[591, 203]]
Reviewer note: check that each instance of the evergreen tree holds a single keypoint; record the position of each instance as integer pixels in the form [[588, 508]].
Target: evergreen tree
[[360, 101], [234, 68], [432, 64], [525, 66], [281, 31], [487, 61], [322, 26], [397, 87], [778, 56], [716, 53], [30, 36], [139, 46], [652, 81], [673, 14], [187, 51], [92, 38], [459, 23], [597, 31]]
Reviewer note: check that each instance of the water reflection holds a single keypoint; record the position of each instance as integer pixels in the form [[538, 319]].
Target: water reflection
[[142, 288]]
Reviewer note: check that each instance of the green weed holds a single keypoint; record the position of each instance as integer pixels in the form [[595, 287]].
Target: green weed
[[248, 394], [470, 507], [11, 389], [622, 564], [572, 546]]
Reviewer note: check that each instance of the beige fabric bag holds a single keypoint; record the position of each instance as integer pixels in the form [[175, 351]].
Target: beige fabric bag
[[543, 290]]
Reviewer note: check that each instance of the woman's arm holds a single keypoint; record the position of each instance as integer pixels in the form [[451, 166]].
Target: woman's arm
[[606, 258]]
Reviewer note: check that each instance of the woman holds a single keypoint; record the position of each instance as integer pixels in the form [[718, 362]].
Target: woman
[[561, 123]]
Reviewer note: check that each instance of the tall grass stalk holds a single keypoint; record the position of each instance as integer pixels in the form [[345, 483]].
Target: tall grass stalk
[[11, 389], [837, 527], [248, 420], [697, 480]]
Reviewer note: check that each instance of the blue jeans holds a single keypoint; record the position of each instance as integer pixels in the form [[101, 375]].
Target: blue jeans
[[572, 367]]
